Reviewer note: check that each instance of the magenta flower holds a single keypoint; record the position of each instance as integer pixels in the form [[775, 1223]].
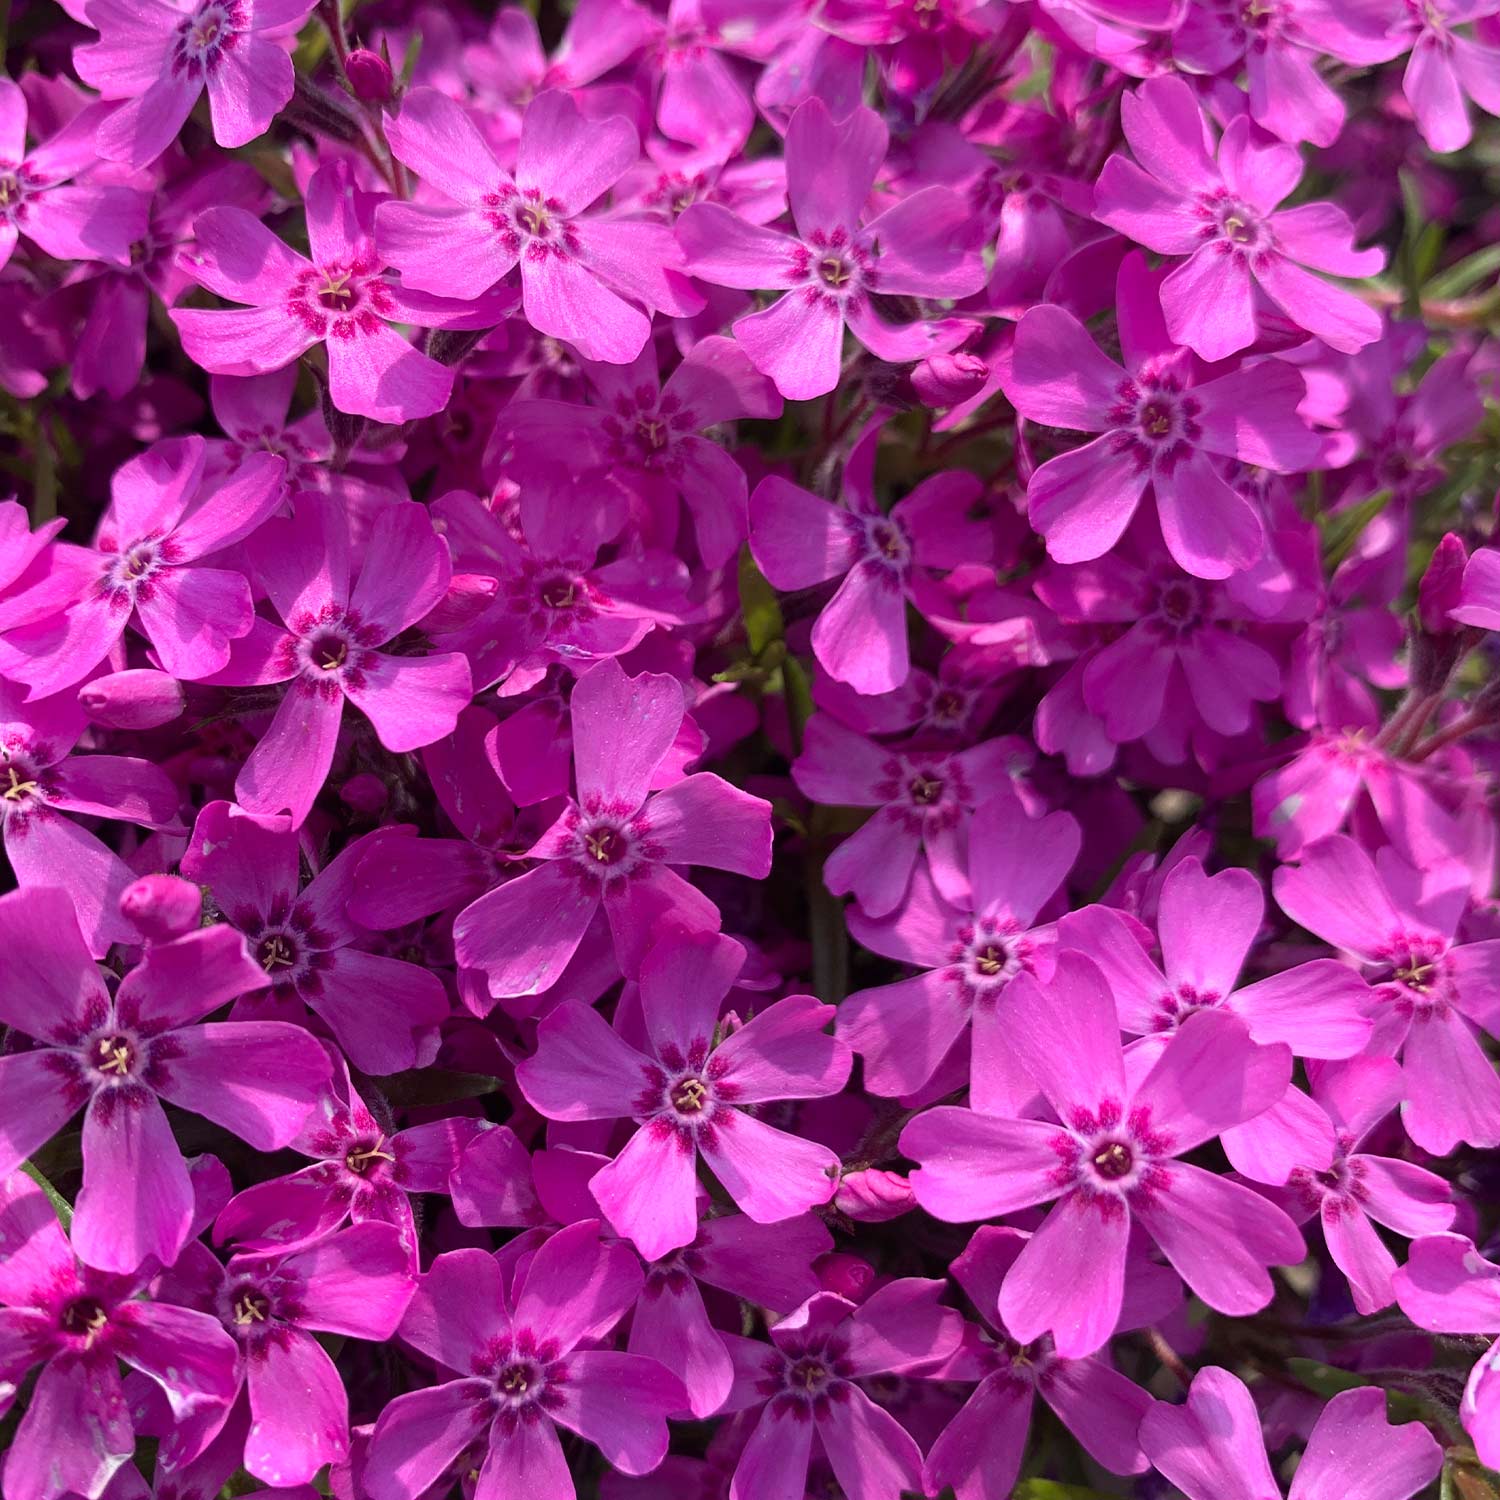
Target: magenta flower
[[805, 1384], [1359, 1187], [384, 1013], [356, 1284], [43, 778], [341, 298], [42, 198], [689, 1092], [971, 950], [511, 1335], [165, 515], [1161, 427], [799, 540], [1279, 48], [614, 844], [582, 275], [645, 435], [117, 1056], [1447, 1286], [1221, 213], [1110, 1162], [1430, 992], [327, 648], [924, 246], [360, 1173], [766, 1265], [76, 1431], [979, 1452], [1212, 1447], [161, 54], [1446, 69], [1479, 593], [924, 802]]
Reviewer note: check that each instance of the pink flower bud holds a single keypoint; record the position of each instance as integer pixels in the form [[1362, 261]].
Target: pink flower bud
[[947, 379], [1440, 587], [136, 699], [872, 1196], [369, 76], [468, 596], [162, 907], [365, 793], [847, 1275]]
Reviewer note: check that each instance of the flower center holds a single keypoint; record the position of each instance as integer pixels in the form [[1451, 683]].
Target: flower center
[[362, 1161], [113, 1055], [808, 1375], [1113, 1160], [651, 432], [559, 594], [19, 784], [12, 193], [1232, 222], [990, 959], [337, 294], [276, 952], [85, 1318], [1178, 606], [924, 790], [835, 270], [329, 651], [833, 266], [605, 846], [889, 542], [533, 219], [690, 1095], [251, 1307]]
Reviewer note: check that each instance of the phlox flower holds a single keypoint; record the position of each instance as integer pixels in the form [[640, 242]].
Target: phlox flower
[[1211, 1447], [160, 55], [78, 1324], [924, 246], [692, 1094], [581, 274], [1220, 211], [1445, 69], [327, 647], [117, 1056], [1111, 1161], [615, 843], [521, 1343]]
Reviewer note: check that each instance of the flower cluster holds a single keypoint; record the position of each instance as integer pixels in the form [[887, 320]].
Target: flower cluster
[[748, 749]]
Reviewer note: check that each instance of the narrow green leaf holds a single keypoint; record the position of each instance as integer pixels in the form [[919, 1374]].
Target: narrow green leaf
[[1467, 273], [763, 621], [435, 1086], [1343, 529], [60, 1205]]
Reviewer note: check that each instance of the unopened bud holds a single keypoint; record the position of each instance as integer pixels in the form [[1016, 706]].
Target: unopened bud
[[468, 596], [873, 1196], [136, 699], [947, 379], [365, 793], [162, 907], [1441, 586], [369, 74], [846, 1275]]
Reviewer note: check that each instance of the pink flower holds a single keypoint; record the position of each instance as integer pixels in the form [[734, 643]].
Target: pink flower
[[117, 1056], [327, 650], [1431, 992], [805, 1383], [924, 246], [341, 298], [165, 515], [910, 1033], [615, 844], [161, 54], [688, 1093], [1162, 426], [1110, 1161], [799, 540], [1445, 69], [979, 1452], [511, 1335], [383, 1012], [1212, 1446], [1447, 1286], [41, 197], [581, 274], [1221, 213], [78, 1323]]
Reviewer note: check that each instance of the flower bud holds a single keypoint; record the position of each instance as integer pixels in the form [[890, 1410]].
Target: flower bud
[[873, 1196], [947, 379], [162, 907], [468, 596], [136, 699], [847, 1275], [370, 77], [365, 793], [1441, 585]]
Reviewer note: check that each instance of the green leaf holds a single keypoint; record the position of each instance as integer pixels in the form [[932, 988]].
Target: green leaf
[[409, 62], [1343, 529], [60, 1205], [1052, 1489], [799, 700], [1324, 1380], [1469, 272], [763, 622]]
